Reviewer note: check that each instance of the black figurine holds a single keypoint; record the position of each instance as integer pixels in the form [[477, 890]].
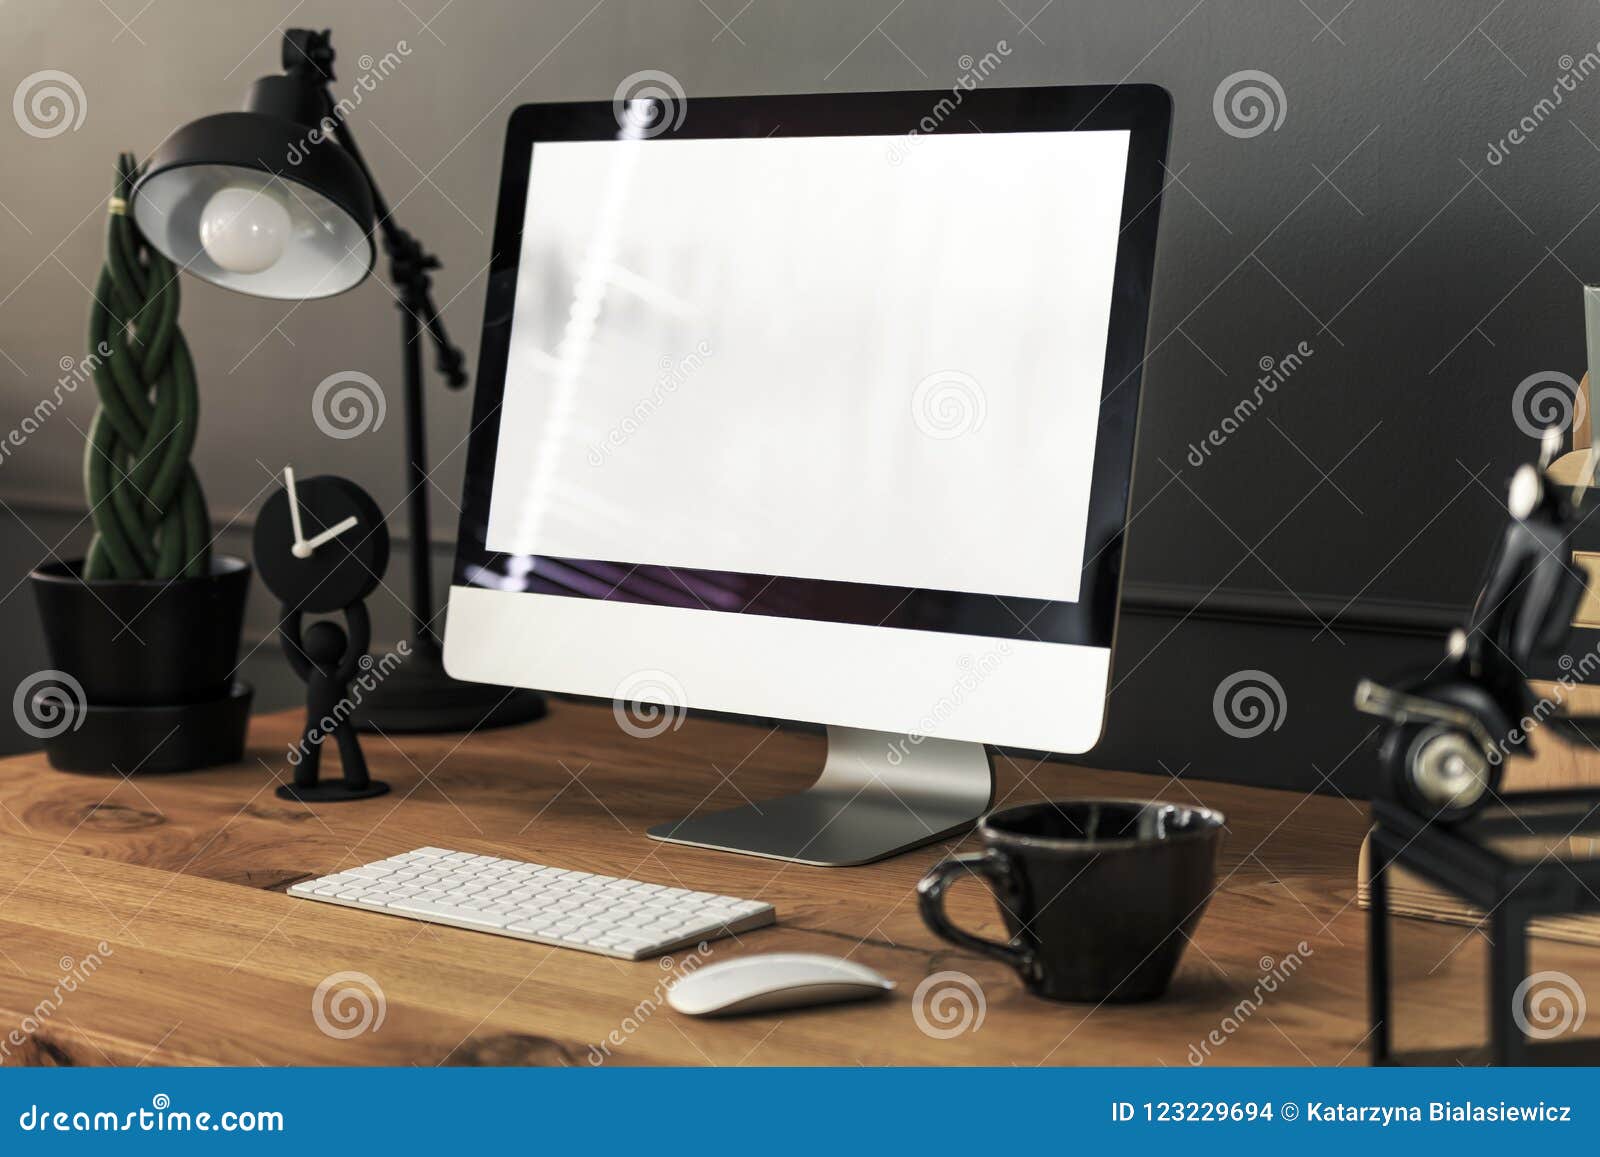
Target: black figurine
[[321, 547]]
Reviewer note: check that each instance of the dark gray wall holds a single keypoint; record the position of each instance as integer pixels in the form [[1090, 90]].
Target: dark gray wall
[[1426, 281]]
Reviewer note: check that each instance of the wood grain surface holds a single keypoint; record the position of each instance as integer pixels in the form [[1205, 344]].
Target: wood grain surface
[[161, 900]]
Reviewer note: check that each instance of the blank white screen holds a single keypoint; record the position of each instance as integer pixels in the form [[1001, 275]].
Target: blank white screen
[[868, 359]]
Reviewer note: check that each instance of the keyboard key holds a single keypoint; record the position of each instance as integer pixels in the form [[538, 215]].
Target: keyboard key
[[448, 912]]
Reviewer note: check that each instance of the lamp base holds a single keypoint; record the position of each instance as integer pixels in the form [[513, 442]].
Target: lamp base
[[419, 696]]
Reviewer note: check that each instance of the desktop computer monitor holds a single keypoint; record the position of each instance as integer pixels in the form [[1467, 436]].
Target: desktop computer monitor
[[819, 408]]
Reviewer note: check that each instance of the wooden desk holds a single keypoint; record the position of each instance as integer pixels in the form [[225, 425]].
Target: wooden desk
[[209, 962]]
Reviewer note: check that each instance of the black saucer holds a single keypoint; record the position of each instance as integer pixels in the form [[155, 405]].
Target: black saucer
[[153, 740]]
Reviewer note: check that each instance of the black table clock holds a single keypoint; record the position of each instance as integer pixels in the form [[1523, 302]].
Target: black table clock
[[321, 547]]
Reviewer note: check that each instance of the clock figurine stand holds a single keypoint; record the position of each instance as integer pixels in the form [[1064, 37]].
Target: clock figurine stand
[[321, 548]]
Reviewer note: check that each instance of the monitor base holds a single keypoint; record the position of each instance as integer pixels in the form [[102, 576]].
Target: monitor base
[[879, 794]]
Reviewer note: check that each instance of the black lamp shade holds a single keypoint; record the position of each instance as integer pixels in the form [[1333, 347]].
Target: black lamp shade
[[324, 192]]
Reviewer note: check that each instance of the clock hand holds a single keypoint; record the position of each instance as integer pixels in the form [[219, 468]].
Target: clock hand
[[330, 534], [301, 548]]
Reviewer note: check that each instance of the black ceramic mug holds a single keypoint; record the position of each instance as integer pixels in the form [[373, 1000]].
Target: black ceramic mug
[[1099, 895]]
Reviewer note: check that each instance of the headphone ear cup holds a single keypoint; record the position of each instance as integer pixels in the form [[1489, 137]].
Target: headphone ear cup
[[1439, 772], [1442, 771]]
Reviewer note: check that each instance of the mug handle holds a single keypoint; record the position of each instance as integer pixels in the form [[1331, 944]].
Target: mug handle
[[992, 865]]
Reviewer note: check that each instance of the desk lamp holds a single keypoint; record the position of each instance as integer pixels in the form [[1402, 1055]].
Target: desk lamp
[[276, 201]]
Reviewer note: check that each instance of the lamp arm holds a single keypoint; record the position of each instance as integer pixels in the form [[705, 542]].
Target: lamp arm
[[409, 262]]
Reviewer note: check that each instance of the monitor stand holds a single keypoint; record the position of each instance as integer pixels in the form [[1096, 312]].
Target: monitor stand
[[879, 794]]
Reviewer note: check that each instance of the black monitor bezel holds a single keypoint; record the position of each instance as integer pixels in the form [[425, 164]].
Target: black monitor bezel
[[1143, 110]]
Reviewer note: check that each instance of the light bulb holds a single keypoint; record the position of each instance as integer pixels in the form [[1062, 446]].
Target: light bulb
[[244, 230]]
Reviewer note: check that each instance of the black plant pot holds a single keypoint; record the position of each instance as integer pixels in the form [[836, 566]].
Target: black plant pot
[[145, 670]]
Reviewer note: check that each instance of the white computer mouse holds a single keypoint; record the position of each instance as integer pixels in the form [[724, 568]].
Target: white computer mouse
[[772, 981]]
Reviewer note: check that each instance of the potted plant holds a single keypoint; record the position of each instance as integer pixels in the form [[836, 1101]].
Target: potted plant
[[143, 631]]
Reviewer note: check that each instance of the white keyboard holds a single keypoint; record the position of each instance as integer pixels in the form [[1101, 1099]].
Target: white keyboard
[[591, 913]]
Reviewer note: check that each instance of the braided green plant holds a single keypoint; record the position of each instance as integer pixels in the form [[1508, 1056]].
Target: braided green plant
[[149, 514]]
